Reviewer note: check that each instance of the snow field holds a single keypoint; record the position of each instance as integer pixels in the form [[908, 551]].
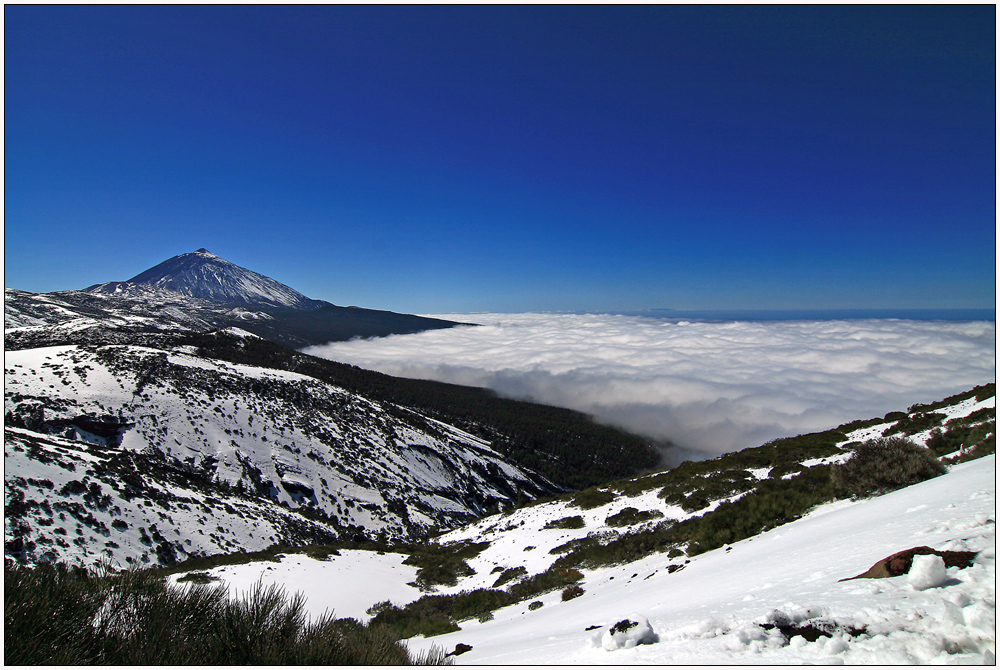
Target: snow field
[[711, 611], [343, 584], [720, 607]]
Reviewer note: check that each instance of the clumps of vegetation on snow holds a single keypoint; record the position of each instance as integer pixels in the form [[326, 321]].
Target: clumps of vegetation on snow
[[878, 466], [975, 431], [54, 615], [742, 494], [443, 563], [592, 497], [199, 578], [972, 436], [509, 575], [273, 553], [630, 516], [565, 523], [694, 484], [438, 614]]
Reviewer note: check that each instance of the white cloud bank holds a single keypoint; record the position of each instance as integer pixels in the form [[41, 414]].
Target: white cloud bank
[[711, 387]]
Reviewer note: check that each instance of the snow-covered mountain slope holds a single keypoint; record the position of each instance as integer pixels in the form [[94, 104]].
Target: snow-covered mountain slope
[[626, 508], [770, 597], [712, 610], [201, 274], [723, 607], [42, 319], [281, 438], [82, 503]]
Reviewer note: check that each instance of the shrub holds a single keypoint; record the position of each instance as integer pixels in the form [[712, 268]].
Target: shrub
[[508, 575], [550, 580], [567, 523], [915, 423], [570, 592], [567, 547], [537, 604], [444, 563], [885, 464], [427, 616], [199, 578], [55, 615], [630, 516], [591, 498], [985, 448], [962, 433]]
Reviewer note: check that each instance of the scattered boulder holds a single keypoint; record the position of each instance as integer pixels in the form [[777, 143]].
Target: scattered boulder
[[899, 563]]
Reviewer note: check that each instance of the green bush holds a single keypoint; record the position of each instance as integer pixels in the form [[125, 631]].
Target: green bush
[[509, 575], [964, 433], [591, 498], [55, 615], [885, 464], [987, 446], [565, 523], [570, 592], [771, 504], [915, 423], [537, 604], [444, 563], [550, 580], [573, 544], [630, 516], [427, 616], [438, 614]]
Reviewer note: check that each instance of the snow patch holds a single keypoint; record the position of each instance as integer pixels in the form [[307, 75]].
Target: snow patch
[[927, 572]]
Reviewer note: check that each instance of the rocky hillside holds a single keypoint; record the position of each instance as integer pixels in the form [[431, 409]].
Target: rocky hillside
[[785, 553], [126, 452]]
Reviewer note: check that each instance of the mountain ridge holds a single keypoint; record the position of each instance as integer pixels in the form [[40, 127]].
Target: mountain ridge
[[200, 291], [130, 441]]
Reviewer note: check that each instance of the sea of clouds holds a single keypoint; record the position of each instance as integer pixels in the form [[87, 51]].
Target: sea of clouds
[[707, 387]]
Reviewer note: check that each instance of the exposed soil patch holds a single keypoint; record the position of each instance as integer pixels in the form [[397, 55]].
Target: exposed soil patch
[[900, 562]]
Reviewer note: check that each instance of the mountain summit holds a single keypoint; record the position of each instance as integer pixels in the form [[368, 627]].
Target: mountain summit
[[202, 291], [202, 274]]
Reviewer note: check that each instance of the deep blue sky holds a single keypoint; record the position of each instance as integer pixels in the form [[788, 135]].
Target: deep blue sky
[[509, 158]]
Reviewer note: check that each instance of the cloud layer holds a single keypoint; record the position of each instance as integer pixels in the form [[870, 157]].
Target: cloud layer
[[705, 386]]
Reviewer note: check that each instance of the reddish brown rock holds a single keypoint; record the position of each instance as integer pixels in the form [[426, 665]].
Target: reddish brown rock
[[899, 563]]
